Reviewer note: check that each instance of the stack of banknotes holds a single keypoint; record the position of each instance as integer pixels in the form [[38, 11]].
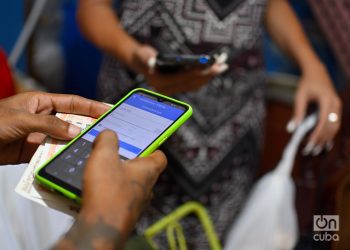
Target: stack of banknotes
[[31, 190]]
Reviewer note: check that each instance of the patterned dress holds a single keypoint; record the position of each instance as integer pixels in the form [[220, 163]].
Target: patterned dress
[[213, 158]]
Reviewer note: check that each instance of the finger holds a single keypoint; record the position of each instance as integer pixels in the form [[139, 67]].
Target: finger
[[49, 125], [321, 128], [146, 58], [214, 70], [221, 58], [159, 159], [333, 120], [322, 144], [329, 146], [106, 141], [147, 52], [74, 104], [30, 146], [331, 131], [300, 107], [153, 164], [326, 129], [155, 161], [104, 153], [152, 61], [102, 166], [317, 150]]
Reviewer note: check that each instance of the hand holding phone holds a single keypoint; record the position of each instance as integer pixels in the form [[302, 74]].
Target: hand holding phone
[[190, 79], [27, 118], [143, 120], [111, 186], [174, 63]]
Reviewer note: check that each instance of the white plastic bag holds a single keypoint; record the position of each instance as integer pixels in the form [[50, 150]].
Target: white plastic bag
[[268, 220]]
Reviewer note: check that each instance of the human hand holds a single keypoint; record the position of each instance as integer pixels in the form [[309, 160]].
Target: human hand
[[144, 59], [116, 191], [25, 120], [316, 86]]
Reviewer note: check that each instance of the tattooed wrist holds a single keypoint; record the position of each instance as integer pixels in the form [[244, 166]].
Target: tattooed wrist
[[84, 235]]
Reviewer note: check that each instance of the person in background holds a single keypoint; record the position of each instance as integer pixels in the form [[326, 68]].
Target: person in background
[[114, 192], [213, 158]]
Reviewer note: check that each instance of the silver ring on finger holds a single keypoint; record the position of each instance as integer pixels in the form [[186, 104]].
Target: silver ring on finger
[[333, 117]]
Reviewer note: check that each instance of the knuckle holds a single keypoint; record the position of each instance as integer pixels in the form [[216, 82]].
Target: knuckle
[[52, 121], [21, 118], [38, 93], [34, 93], [55, 122], [74, 97]]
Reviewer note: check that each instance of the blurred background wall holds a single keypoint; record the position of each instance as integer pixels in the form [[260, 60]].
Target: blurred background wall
[[63, 61], [11, 21]]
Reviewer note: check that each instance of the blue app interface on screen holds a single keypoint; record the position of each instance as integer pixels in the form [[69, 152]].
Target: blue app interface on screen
[[138, 121]]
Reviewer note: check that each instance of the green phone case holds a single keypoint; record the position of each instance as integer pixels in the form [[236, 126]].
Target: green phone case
[[55, 187]]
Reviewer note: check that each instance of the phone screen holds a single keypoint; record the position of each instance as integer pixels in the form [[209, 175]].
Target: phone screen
[[138, 121]]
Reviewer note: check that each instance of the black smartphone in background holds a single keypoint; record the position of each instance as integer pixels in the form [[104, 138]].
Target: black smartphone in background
[[173, 63]]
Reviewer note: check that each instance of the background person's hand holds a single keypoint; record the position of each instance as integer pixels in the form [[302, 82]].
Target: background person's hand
[[188, 80], [116, 191], [25, 120], [316, 86]]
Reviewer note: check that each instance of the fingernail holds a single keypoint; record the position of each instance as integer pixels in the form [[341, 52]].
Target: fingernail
[[317, 150], [291, 126], [329, 146], [308, 148], [222, 58], [73, 130], [151, 62], [222, 68]]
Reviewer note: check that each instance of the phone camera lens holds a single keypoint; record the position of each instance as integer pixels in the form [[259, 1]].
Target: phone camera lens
[[203, 60]]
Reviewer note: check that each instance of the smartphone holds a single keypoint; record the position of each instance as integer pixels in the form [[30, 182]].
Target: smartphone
[[172, 63], [142, 119]]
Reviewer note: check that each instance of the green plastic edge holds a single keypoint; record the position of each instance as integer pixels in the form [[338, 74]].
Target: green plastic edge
[[54, 187]]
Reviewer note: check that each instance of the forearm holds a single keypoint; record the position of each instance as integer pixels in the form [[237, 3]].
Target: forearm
[[287, 32], [100, 25]]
